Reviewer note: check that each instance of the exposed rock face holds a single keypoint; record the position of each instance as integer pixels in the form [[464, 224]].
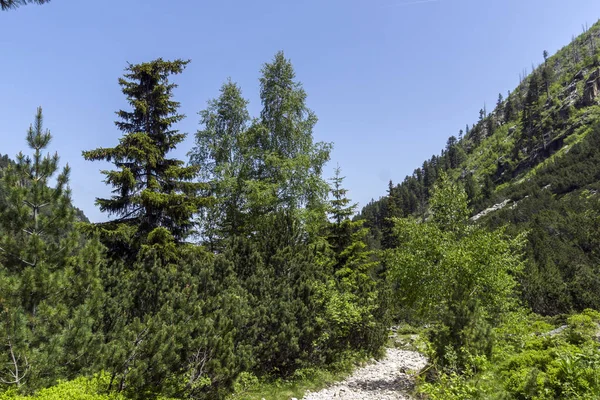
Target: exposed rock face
[[495, 207], [591, 89], [580, 75], [388, 379], [569, 95]]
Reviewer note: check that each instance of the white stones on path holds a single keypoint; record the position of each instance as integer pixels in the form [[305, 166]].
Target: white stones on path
[[387, 379]]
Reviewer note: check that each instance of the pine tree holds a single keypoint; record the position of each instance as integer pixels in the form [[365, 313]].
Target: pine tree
[[455, 152], [429, 176], [282, 275], [488, 188], [11, 4], [150, 190], [49, 278], [35, 210], [176, 322], [500, 109]]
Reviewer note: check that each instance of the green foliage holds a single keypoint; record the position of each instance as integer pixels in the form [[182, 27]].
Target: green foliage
[[176, 316], [311, 378], [355, 310], [150, 190], [455, 274], [537, 151], [530, 361], [49, 278], [288, 164], [280, 274], [81, 388], [222, 155], [285, 287], [557, 207]]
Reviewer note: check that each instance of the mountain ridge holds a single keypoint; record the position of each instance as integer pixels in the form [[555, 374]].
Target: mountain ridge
[[536, 152]]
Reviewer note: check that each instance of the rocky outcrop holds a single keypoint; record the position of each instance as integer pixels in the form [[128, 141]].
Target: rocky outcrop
[[572, 96], [493, 208], [591, 89]]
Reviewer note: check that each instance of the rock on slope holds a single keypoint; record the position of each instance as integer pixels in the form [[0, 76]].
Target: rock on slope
[[387, 379]]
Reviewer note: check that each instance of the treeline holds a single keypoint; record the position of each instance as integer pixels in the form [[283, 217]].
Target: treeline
[[242, 260], [538, 146]]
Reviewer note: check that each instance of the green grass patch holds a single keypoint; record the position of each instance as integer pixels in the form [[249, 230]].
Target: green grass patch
[[249, 387]]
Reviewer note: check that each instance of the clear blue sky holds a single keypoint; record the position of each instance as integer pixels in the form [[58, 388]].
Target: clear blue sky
[[390, 80]]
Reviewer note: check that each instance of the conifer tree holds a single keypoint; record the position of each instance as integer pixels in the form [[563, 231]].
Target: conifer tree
[[49, 278], [150, 189], [287, 164], [36, 211], [392, 210], [354, 302], [546, 73], [455, 152], [340, 211], [471, 189], [531, 108], [509, 108], [11, 4], [168, 312], [281, 273]]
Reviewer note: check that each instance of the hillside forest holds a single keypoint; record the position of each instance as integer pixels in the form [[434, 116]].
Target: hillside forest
[[243, 268]]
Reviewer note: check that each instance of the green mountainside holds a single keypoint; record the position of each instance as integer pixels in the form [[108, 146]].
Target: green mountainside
[[243, 273], [532, 164]]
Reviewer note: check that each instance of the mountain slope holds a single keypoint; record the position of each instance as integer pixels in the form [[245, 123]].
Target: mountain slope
[[536, 156]]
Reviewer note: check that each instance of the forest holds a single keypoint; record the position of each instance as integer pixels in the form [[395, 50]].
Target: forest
[[243, 270]]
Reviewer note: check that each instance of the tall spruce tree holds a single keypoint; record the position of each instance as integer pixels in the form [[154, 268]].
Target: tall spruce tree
[[168, 312], [340, 210], [341, 207], [392, 210], [356, 313], [150, 190]]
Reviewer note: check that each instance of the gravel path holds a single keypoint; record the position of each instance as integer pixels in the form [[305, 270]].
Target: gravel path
[[387, 379]]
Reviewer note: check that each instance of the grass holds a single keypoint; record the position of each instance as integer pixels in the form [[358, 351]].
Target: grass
[[313, 379]]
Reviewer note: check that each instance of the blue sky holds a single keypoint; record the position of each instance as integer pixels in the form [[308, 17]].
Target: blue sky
[[390, 80]]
